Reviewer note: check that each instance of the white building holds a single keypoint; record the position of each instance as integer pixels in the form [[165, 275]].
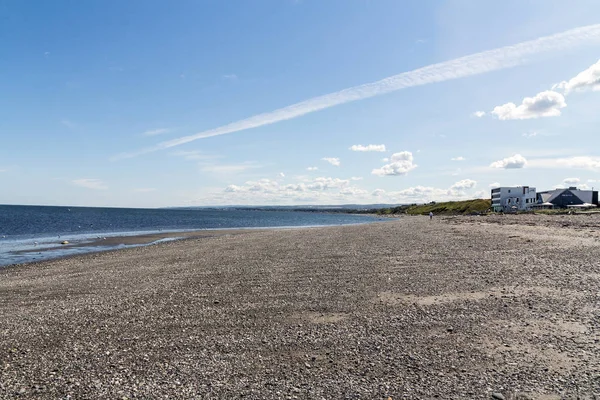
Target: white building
[[510, 199]]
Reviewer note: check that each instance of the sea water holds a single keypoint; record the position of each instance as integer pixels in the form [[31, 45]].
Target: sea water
[[26, 229]]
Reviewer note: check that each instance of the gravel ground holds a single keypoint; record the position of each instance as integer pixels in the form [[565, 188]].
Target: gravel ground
[[455, 308]]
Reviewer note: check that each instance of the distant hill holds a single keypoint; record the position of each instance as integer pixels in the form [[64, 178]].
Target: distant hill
[[464, 207]]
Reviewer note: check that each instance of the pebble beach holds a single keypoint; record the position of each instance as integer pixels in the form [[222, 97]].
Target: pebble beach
[[496, 307]]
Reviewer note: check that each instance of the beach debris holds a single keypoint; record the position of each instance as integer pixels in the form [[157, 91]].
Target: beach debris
[[498, 396], [64, 242]]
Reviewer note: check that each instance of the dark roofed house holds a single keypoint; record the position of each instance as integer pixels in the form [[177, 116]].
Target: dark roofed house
[[571, 197]]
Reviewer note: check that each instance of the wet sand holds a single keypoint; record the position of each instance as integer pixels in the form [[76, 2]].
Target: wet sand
[[454, 308], [133, 240]]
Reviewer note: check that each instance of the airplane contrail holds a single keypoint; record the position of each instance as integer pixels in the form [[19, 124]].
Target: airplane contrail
[[474, 64]]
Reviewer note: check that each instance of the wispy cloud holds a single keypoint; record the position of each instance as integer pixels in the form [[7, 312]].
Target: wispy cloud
[[478, 114], [228, 168], [475, 64], [332, 160], [194, 155], [144, 190], [370, 147], [531, 134], [69, 124], [578, 162], [230, 77], [154, 132], [459, 158], [89, 183], [312, 168]]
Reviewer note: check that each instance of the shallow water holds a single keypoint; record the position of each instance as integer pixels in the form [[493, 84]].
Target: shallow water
[[25, 230]]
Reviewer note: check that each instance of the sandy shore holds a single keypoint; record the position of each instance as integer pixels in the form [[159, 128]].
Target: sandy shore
[[454, 308]]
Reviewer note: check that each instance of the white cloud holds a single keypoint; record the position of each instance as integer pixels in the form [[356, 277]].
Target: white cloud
[[281, 175], [478, 114], [155, 132], [353, 191], [482, 194], [327, 183], [544, 104], [592, 180], [479, 63], [267, 191], [356, 178], [329, 190], [230, 77], [571, 181], [531, 134], [577, 162], [457, 191], [144, 190], [370, 147], [591, 163], [312, 168], [88, 183], [386, 159], [234, 188], [494, 185], [459, 158], [332, 160], [401, 163], [585, 80], [516, 161], [464, 184]]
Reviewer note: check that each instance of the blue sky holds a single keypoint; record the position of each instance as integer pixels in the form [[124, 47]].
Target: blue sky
[[155, 103]]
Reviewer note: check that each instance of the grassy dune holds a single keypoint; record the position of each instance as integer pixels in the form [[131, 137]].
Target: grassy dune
[[446, 208]]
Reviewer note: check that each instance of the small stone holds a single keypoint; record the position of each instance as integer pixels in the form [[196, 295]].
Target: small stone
[[498, 396], [523, 396]]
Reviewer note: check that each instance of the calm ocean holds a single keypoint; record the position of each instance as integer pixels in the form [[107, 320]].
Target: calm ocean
[[23, 229]]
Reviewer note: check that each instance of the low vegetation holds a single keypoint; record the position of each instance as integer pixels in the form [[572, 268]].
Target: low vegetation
[[465, 207]]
